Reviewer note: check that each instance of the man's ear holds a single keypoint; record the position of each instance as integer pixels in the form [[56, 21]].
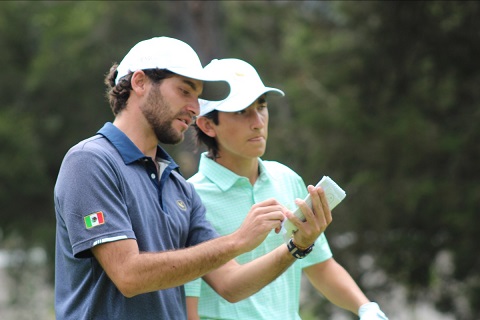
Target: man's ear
[[207, 126], [139, 82]]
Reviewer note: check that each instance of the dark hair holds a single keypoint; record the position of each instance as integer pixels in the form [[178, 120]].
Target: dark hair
[[209, 142], [118, 94]]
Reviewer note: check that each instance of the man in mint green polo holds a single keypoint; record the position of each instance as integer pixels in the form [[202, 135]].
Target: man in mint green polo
[[231, 178]]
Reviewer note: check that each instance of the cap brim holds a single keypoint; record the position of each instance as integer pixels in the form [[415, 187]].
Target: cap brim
[[234, 105], [214, 89], [245, 101]]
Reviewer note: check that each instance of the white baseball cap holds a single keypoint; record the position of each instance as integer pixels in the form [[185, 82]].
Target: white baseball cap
[[245, 86], [177, 57]]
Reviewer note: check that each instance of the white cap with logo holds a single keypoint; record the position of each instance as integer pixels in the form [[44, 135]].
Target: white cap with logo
[[245, 86], [177, 57]]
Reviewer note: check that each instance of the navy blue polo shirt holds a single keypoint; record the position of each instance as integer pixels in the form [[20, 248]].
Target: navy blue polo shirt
[[108, 190]]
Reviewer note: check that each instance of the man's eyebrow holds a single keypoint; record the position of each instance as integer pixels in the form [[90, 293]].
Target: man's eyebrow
[[190, 83]]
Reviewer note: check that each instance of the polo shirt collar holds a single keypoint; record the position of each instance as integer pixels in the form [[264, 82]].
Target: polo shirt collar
[[126, 148], [223, 177]]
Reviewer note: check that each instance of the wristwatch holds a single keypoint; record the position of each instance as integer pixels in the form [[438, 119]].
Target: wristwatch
[[296, 252]]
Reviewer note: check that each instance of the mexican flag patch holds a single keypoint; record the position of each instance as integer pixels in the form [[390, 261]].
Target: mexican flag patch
[[94, 219]]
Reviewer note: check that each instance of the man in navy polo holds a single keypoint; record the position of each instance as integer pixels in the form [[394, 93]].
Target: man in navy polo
[[130, 230]]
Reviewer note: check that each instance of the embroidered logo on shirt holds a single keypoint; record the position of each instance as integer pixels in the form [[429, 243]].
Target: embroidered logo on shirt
[[94, 219], [181, 205]]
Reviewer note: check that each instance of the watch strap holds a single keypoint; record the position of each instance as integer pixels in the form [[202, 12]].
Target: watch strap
[[296, 252]]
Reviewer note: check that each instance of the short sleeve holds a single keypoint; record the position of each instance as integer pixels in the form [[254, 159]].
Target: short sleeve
[[89, 186]]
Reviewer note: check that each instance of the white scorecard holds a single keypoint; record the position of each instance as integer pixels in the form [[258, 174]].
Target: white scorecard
[[334, 195]]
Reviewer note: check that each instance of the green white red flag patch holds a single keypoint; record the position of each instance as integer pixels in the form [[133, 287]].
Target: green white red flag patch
[[94, 219]]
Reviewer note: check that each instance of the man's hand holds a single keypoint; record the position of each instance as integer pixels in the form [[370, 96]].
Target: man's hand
[[262, 218], [316, 220]]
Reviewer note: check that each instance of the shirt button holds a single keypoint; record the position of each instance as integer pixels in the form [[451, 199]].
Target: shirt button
[[152, 175]]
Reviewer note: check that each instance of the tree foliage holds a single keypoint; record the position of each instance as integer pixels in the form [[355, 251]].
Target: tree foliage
[[381, 96]]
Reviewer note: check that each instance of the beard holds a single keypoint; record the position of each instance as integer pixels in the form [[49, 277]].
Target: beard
[[159, 115]]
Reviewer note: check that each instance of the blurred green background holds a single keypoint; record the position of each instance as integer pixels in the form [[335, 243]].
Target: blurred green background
[[382, 96]]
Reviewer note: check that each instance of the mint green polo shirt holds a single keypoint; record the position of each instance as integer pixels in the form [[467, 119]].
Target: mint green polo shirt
[[228, 198]]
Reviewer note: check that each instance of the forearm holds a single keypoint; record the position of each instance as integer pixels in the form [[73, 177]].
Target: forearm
[[336, 284], [174, 268], [235, 282], [135, 273]]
